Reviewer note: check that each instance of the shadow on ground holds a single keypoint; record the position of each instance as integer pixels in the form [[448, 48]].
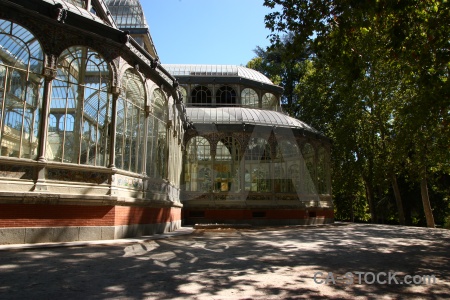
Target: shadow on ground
[[263, 263]]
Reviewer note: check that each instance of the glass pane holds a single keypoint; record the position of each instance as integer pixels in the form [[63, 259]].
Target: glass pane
[[127, 13], [20, 118], [198, 174], [81, 106], [249, 98], [19, 47], [33, 98], [156, 137], [159, 108], [201, 96], [2, 87], [322, 171], [141, 141], [222, 168], [287, 178], [225, 96], [131, 118], [151, 141], [257, 165], [269, 101], [162, 150], [5, 26], [79, 3], [309, 168], [295, 173], [120, 133]]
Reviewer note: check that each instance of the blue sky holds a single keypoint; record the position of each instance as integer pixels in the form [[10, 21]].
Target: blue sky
[[206, 31]]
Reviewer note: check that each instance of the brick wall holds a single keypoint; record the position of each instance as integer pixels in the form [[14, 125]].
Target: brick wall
[[125, 215], [42, 215]]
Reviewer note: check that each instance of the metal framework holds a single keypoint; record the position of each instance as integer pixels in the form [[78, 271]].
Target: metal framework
[[129, 16]]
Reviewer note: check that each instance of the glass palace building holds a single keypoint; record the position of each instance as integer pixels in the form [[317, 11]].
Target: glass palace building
[[100, 141]]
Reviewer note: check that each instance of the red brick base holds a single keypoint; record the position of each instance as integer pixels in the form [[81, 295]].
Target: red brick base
[[42, 215]]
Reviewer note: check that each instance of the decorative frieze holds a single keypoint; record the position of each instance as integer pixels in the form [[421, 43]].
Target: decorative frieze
[[77, 176], [155, 186], [17, 172], [128, 182]]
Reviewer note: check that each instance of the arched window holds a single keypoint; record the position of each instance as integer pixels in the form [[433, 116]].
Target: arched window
[[157, 151], [66, 123], [201, 96], [225, 95], [130, 123], [21, 63], [309, 169], [286, 167], [226, 165], [52, 123], [257, 165], [82, 102], [198, 165], [269, 101], [249, 98]]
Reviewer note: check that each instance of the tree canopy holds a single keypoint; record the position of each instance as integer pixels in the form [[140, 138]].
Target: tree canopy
[[373, 76]]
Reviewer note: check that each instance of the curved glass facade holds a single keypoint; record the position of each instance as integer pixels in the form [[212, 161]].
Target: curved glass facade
[[21, 64], [89, 123], [244, 154], [198, 165], [80, 109], [130, 123], [157, 149], [129, 17]]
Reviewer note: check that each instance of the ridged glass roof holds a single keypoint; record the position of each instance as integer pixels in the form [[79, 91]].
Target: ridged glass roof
[[239, 115], [127, 13], [216, 70]]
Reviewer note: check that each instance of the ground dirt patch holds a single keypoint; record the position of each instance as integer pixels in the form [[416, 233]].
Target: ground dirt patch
[[249, 263]]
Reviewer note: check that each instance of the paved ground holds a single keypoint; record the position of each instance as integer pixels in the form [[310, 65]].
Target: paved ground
[[262, 263]]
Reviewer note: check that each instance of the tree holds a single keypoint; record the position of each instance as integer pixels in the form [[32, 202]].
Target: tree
[[385, 100], [282, 68]]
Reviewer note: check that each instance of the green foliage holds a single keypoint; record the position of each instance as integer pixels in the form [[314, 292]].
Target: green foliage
[[373, 76], [283, 68]]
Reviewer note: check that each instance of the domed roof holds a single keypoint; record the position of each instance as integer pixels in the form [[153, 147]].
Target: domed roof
[[240, 115], [216, 70]]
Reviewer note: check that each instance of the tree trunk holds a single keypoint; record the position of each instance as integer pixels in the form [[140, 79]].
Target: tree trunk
[[370, 198], [398, 200], [352, 213], [426, 202]]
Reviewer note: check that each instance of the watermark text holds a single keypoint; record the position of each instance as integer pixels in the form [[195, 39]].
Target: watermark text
[[357, 277]]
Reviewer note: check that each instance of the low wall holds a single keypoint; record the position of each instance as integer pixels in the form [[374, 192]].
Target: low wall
[[38, 223]]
